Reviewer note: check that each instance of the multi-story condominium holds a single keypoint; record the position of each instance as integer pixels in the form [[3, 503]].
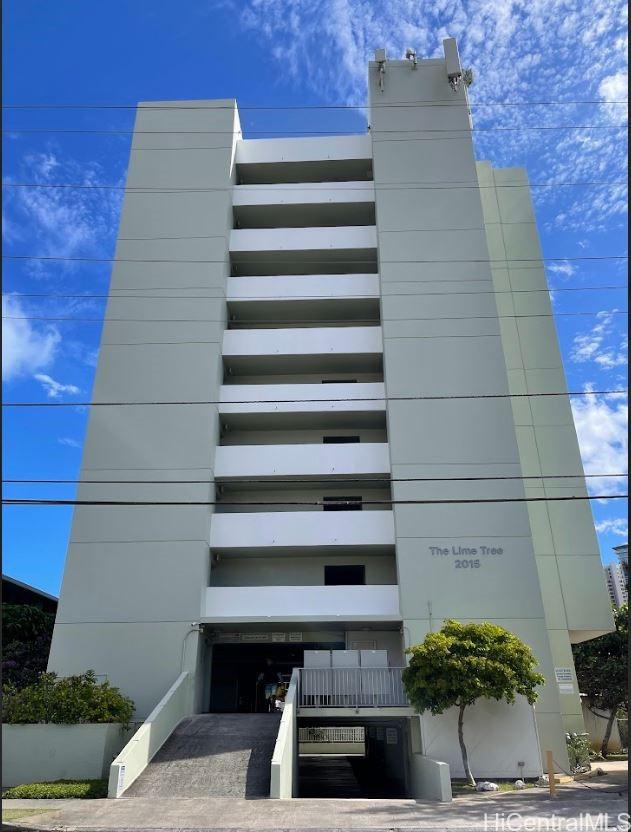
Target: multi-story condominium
[[622, 553], [616, 584], [338, 410]]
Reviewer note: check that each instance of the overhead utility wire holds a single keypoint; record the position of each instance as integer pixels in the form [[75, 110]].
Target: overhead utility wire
[[277, 298], [33, 502], [274, 107], [320, 260], [300, 186], [313, 480], [272, 321], [444, 397], [465, 131]]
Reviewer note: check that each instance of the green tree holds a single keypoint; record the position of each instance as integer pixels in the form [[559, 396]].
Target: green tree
[[26, 633], [465, 662], [601, 670]]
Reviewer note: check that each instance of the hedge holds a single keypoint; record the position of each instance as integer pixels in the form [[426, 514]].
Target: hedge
[[82, 789], [71, 700]]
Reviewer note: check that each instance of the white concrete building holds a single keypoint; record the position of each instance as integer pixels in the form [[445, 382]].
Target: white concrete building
[[616, 584], [348, 336]]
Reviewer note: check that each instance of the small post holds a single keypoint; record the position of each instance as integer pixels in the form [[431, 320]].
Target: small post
[[551, 781]]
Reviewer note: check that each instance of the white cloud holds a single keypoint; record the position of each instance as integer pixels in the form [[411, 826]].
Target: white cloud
[[25, 347], [601, 426], [54, 389], [565, 269], [614, 525], [62, 222], [614, 87], [553, 51], [71, 443], [595, 345]]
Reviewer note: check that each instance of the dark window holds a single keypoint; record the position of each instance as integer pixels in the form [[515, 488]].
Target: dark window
[[342, 503], [339, 381], [344, 575], [339, 440]]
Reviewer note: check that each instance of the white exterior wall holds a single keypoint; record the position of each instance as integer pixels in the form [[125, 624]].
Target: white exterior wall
[[563, 536], [418, 204], [133, 575]]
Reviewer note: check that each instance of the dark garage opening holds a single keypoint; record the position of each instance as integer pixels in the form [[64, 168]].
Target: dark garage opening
[[380, 773]]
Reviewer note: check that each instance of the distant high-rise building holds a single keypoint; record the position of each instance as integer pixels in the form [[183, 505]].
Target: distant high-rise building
[[616, 583], [622, 553]]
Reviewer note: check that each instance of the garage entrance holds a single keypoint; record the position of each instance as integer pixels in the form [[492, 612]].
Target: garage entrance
[[376, 768], [247, 678]]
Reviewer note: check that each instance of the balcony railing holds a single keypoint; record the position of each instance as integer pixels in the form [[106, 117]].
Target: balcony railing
[[352, 687]]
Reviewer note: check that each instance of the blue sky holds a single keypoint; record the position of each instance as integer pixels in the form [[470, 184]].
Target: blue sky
[[283, 53]]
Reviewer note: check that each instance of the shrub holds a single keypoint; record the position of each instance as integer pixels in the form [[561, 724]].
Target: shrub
[[58, 789], [578, 752], [67, 701]]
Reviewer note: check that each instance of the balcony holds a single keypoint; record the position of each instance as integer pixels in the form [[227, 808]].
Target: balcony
[[311, 287], [234, 462], [265, 251], [304, 159], [241, 604], [303, 350], [304, 204], [287, 531], [302, 398]]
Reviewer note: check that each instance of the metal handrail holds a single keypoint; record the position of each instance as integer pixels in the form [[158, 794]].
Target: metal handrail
[[352, 687]]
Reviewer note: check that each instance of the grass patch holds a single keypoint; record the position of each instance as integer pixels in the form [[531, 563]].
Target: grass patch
[[16, 814], [460, 788], [59, 789], [615, 757]]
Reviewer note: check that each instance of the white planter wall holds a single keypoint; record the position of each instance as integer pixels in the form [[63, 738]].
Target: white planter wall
[[45, 752]]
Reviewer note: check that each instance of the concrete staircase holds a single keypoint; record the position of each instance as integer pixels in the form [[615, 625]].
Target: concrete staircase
[[212, 755]]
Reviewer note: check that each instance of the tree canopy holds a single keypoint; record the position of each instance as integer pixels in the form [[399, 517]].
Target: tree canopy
[[602, 668], [462, 663]]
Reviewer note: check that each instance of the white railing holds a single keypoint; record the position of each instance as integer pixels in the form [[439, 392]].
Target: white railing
[[352, 687], [336, 733]]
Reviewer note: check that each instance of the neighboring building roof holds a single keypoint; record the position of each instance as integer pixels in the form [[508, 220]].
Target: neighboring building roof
[[17, 592]]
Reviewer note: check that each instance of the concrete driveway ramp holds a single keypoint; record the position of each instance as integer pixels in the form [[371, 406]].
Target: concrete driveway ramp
[[212, 755]]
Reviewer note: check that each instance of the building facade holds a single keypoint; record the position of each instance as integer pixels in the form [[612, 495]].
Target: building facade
[[616, 584], [339, 351]]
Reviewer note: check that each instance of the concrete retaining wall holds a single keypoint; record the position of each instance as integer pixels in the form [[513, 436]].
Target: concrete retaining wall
[[45, 752], [176, 704], [429, 779], [284, 769]]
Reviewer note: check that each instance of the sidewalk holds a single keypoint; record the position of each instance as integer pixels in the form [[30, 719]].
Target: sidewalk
[[600, 796]]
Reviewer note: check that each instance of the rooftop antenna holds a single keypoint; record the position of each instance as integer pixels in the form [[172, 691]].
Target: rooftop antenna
[[452, 63], [380, 58]]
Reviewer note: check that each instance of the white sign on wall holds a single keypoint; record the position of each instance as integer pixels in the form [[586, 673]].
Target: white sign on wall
[[563, 674]]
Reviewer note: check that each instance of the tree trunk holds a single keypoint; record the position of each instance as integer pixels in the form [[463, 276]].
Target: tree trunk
[[604, 748], [463, 748]]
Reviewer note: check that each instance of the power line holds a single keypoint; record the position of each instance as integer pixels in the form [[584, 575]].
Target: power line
[[277, 298], [142, 106], [444, 397], [333, 322], [318, 503], [321, 261], [274, 134], [313, 480], [300, 186]]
